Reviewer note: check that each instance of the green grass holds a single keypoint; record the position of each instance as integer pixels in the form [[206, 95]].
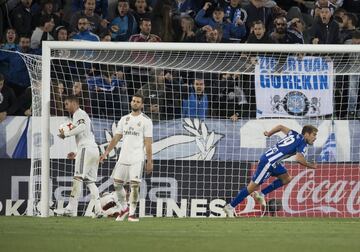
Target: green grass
[[22, 234]]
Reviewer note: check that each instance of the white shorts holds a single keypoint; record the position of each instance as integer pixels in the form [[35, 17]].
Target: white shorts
[[87, 163], [128, 172]]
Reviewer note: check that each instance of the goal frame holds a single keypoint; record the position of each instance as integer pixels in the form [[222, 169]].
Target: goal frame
[[47, 46]]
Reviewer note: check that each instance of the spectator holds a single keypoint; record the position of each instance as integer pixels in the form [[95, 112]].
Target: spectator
[[120, 93], [61, 33], [256, 10], [145, 33], [155, 93], [97, 25], [141, 10], [319, 4], [42, 32], [207, 34], [281, 35], [47, 9], [101, 7], [232, 97], [187, 30], [162, 24], [16, 74], [296, 26], [230, 31], [57, 7], [7, 101], [233, 12], [24, 103], [185, 7], [196, 104], [58, 94], [124, 24], [105, 37], [258, 34], [84, 32], [10, 40], [354, 83], [349, 21], [21, 18], [108, 93], [325, 30]]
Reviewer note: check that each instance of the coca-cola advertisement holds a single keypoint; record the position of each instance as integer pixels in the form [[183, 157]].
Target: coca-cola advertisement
[[331, 190]]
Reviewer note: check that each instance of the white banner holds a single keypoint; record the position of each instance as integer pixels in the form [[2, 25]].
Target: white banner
[[295, 87]]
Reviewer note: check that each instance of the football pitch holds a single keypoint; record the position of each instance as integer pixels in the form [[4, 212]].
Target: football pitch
[[175, 234]]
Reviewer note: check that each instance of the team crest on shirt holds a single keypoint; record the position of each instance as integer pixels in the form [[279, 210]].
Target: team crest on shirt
[[139, 124], [127, 120]]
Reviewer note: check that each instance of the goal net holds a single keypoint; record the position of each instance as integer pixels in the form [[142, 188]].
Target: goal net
[[210, 105]]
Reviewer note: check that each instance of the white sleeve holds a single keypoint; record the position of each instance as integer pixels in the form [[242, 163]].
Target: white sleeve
[[76, 130], [79, 125], [120, 127], [148, 129]]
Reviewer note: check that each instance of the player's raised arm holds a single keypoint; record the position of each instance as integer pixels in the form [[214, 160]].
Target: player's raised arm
[[148, 148], [299, 157], [277, 129], [116, 138]]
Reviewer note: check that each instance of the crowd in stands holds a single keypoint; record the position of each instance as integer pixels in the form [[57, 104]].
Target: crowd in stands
[[104, 92]]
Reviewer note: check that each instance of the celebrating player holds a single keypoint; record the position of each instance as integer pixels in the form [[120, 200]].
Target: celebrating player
[[86, 158], [136, 131], [269, 164]]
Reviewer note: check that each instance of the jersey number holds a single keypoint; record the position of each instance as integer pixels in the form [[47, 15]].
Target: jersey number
[[286, 141]]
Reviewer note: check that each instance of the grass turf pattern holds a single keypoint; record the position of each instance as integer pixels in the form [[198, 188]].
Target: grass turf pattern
[[27, 234]]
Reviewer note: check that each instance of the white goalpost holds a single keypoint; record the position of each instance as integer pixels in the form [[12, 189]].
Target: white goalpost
[[204, 153]]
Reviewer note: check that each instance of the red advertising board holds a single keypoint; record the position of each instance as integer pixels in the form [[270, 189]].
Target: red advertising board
[[331, 190]]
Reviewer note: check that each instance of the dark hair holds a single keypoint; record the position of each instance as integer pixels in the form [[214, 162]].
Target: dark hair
[[139, 96], [1, 77], [72, 98], [144, 19], [257, 22], [308, 129], [24, 35], [44, 19], [218, 8], [45, 2]]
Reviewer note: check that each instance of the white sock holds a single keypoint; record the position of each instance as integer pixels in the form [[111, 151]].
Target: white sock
[[134, 196], [121, 194], [94, 192], [74, 196]]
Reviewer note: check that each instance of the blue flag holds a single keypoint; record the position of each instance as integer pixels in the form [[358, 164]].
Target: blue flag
[[21, 147], [328, 152]]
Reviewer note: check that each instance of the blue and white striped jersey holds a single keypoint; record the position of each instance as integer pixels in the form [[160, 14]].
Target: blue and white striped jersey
[[286, 147]]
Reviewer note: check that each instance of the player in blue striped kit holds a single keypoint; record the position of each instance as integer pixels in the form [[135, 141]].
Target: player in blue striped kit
[[270, 164]]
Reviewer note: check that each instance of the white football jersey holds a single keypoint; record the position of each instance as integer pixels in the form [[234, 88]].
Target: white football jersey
[[134, 129], [85, 138]]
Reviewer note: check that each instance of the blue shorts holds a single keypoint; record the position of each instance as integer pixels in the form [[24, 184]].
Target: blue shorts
[[265, 169]]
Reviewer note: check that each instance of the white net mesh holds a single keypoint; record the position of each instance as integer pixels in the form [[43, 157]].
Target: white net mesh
[[207, 140]]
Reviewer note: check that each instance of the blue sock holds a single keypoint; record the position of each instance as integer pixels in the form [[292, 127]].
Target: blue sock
[[240, 197], [274, 185]]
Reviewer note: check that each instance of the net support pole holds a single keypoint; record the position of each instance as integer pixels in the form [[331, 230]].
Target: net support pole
[[45, 131]]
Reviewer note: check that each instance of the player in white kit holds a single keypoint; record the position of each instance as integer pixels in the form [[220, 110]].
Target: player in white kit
[[136, 131], [86, 158]]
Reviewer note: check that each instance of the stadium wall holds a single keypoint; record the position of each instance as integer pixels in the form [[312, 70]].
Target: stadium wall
[[176, 139], [201, 188]]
